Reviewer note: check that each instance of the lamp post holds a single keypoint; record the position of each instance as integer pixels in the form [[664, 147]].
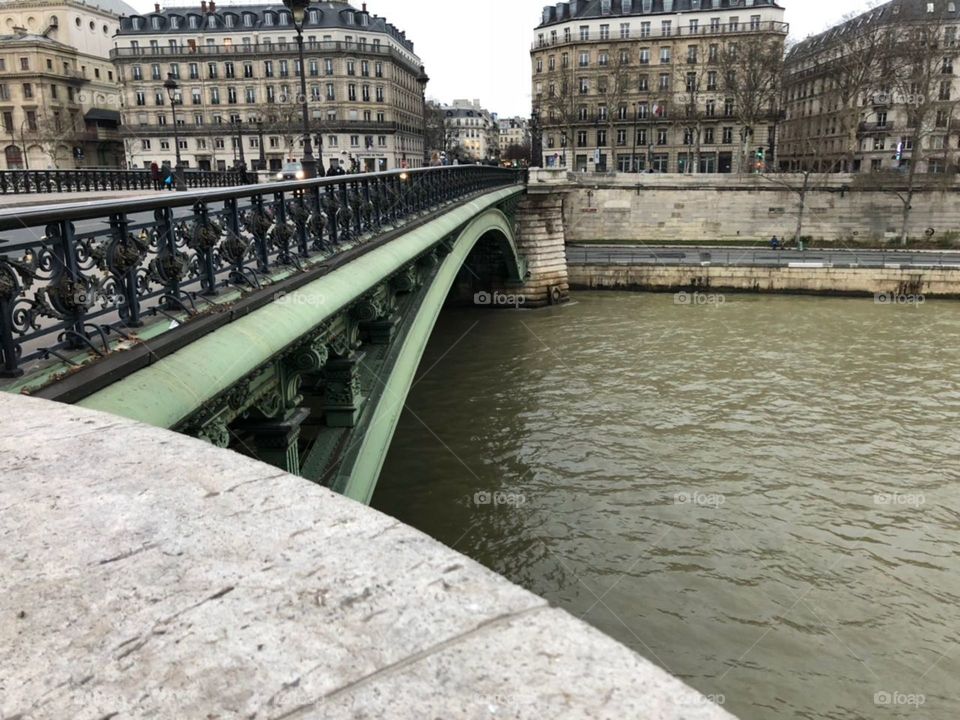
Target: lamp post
[[298, 9], [263, 155], [633, 156], [172, 87], [536, 139], [242, 161]]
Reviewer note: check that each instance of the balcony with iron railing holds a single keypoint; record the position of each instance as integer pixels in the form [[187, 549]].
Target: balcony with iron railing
[[264, 50], [724, 29]]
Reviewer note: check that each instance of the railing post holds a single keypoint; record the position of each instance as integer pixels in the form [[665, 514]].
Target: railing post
[[259, 230], [125, 264], [330, 200], [167, 266]]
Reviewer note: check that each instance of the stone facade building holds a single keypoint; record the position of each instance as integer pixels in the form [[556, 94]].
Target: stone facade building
[[513, 131], [59, 95], [866, 96], [637, 84], [239, 84], [471, 131]]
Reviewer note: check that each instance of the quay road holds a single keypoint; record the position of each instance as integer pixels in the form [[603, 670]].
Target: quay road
[[756, 257]]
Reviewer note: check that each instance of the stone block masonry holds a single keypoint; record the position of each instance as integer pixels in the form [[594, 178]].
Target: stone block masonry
[[540, 238], [892, 282], [708, 208]]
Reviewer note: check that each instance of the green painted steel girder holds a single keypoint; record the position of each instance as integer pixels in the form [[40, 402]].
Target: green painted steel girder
[[171, 389], [362, 478]]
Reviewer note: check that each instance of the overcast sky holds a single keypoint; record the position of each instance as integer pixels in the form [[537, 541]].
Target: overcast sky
[[481, 49]]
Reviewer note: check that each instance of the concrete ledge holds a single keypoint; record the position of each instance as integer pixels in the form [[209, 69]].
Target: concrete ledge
[[148, 574]]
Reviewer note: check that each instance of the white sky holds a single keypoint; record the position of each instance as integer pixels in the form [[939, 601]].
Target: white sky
[[481, 49]]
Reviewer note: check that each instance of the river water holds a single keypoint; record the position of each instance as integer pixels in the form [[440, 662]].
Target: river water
[[760, 495]]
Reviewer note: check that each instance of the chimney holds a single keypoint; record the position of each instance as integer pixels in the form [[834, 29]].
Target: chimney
[[203, 5], [213, 6], [156, 7], [364, 7]]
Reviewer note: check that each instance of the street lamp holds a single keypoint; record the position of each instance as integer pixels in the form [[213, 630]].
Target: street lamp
[[172, 88], [298, 9], [263, 156], [242, 161]]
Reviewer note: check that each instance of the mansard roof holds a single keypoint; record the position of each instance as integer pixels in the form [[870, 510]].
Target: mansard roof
[[586, 9], [262, 17], [899, 11]]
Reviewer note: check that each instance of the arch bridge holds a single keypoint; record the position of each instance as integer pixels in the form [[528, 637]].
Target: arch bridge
[[284, 320]]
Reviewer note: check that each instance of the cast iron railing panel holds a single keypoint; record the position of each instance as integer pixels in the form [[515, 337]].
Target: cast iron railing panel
[[50, 181], [72, 276]]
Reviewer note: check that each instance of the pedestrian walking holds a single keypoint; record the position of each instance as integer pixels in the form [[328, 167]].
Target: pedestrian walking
[[155, 175]]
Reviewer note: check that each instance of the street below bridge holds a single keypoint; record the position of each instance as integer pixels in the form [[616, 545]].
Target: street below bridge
[[752, 256]]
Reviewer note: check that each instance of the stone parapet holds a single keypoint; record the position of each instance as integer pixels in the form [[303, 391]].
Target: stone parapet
[[148, 574]]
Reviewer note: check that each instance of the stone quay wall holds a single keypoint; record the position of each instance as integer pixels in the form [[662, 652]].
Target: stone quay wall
[[893, 284], [669, 208]]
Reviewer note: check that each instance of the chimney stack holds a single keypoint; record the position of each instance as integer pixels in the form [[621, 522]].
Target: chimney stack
[[213, 6], [156, 7], [203, 6], [364, 6]]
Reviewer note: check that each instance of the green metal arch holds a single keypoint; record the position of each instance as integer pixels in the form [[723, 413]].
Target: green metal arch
[[362, 478]]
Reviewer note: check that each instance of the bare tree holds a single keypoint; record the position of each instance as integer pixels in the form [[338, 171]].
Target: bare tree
[[557, 103], [751, 68], [690, 109], [57, 132], [922, 64]]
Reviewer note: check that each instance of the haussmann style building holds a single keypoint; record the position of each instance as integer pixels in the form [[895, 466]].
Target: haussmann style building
[[613, 81], [862, 95], [238, 87], [59, 94]]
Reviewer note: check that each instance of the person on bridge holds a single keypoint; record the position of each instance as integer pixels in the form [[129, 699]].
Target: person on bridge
[[335, 168], [155, 175]]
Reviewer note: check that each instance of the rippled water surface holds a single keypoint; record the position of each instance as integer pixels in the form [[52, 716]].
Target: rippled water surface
[[760, 496]]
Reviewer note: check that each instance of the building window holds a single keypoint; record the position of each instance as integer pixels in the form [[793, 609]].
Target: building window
[[621, 137], [24, 63], [581, 138], [584, 59], [624, 31], [604, 32], [644, 83], [708, 138], [644, 29], [664, 81], [27, 90], [584, 86], [666, 28], [330, 93], [644, 56], [584, 32], [727, 135], [642, 136], [664, 55]]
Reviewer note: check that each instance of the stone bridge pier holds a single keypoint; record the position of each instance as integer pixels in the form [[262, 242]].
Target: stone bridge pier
[[540, 238]]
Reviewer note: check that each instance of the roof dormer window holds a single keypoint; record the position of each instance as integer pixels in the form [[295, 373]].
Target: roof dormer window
[[247, 20], [155, 23], [268, 19], [192, 21]]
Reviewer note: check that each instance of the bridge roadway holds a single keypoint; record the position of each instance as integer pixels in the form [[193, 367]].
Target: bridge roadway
[[752, 256]]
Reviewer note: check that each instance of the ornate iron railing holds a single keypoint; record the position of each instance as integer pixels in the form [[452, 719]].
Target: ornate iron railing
[[72, 275], [50, 181]]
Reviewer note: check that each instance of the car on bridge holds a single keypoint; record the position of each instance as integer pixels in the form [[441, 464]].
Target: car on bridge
[[290, 171]]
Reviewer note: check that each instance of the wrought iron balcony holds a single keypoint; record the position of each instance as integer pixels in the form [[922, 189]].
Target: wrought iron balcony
[[75, 279], [264, 51]]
